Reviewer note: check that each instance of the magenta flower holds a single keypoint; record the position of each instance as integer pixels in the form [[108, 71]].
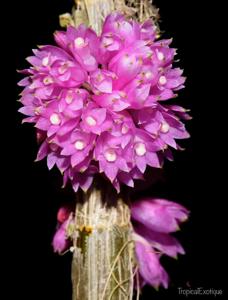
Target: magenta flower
[[95, 119], [163, 124], [101, 81], [60, 240], [153, 220], [150, 268], [78, 146], [162, 242], [145, 150], [159, 214], [111, 155], [63, 214], [80, 176], [98, 102]]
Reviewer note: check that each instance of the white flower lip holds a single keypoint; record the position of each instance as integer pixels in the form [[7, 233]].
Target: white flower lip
[[55, 119], [140, 149], [79, 42], [164, 127], [79, 145], [162, 80], [110, 155], [91, 121]]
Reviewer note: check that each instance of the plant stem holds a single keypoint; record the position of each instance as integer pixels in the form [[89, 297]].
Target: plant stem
[[103, 258]]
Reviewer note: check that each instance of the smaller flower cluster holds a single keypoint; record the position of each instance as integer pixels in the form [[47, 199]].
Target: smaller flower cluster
[[153, 221], [61, 240]]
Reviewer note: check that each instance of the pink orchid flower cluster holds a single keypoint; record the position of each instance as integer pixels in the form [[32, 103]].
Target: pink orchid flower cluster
[[98, 102], [153, 221]]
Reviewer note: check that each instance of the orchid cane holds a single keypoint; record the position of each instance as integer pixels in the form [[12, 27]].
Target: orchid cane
[[98, 102]]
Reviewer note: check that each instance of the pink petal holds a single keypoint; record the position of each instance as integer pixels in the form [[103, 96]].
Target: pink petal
[[43, 151]]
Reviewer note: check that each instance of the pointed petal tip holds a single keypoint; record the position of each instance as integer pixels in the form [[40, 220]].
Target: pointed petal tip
[[156, 288], [177, 228], [183, 220]]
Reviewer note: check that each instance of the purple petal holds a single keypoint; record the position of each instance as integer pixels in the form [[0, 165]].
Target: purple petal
[[158, 214], [163, 242], [51, 160], [149, 265], [43, 151]]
